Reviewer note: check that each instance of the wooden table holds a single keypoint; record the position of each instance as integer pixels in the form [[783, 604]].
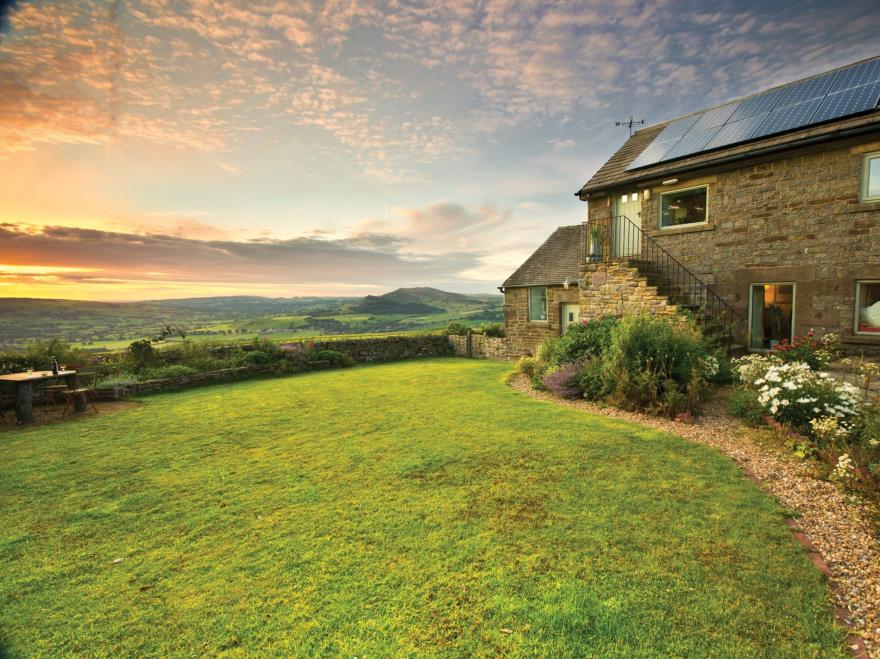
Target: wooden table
[[24, 391]]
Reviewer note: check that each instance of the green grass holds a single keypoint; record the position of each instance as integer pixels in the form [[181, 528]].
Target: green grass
[[414, 508]]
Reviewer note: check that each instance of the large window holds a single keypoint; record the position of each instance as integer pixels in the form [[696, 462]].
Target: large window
[[771, 315], [868, 307], [683, 207], [871, 178], [537, 303]]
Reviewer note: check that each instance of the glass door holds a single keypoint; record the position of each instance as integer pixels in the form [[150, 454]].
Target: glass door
[[771, 315], [626, 241]]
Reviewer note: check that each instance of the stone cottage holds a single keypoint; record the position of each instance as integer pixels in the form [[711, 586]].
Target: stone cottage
[[760, 216]]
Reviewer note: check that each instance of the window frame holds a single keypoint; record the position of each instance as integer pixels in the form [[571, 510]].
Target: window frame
[[751, 304], [867, 159], [856, 309], [660, 196], [546, 317]]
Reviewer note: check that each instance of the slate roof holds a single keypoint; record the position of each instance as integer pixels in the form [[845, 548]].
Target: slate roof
[[613, 173], [559, 257]]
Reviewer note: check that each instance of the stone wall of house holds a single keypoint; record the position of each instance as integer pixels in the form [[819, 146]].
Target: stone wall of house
[[614, 289], [480, 346], [524, 336], [794, 220]]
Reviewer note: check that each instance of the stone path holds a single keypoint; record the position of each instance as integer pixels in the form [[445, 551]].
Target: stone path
[[836, 524]]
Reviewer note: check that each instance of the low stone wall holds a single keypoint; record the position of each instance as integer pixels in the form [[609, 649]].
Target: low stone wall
[[183, 382], [380, 349], [480, 346]]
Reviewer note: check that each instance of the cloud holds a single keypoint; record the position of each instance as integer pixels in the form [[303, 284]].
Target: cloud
[[90, 257]]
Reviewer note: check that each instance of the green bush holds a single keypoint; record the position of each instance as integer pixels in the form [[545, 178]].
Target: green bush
[[142, 353], [547, 351], [332, 358], [591, 380], [455, 328], [589, 339], [656, 364], [166, 372], [744, 404], [257, 357], [491, 329], [528, 366], [117, 381]]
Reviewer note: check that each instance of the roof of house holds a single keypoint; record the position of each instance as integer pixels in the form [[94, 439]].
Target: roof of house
[[558, 259], [614, 173]]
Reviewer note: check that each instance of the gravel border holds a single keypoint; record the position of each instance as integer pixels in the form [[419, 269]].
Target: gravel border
[[836, 524]]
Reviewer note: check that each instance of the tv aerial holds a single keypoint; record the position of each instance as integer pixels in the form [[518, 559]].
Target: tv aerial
[[629, 124]]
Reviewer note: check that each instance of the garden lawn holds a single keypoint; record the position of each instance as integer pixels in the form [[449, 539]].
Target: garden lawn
[[413, 508]]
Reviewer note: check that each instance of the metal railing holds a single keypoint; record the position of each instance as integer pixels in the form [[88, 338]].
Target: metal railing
[[620, 239]]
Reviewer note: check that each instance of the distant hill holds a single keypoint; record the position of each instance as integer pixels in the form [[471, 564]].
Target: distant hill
[[23, 320], [382, 305]]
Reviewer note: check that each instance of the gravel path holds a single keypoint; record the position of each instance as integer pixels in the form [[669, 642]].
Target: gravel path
[[837, 524]]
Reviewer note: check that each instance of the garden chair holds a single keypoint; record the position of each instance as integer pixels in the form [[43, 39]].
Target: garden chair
[[86, 386], [54, 393]]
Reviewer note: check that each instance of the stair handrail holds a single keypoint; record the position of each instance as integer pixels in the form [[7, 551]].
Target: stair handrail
[[609, 250]]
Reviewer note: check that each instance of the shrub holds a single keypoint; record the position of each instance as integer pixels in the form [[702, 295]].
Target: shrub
[[268, 347], [142, 353], [830, 348], [563, 381], [491, 329], [752, 367], [583, 340], [455, 328], [591, 380], [804, 349], [547, 351], [654, 364], [794, 394], [257, 357], [118, 381], [332, 358], [528, 366], [166, 372], [743, 404]]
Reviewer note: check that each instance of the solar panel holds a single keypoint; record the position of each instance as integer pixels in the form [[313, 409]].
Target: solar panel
[[654, 152], [832, 95], [857, 75], [690, 143], [715, 117], [759, 104], [793, 116], [738, 131], [677, 129], [807, 89], [847, 102]]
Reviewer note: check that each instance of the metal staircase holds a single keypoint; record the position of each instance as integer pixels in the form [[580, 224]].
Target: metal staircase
[[620, 240]]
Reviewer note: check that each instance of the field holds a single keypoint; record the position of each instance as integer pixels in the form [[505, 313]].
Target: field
[[349, 513], [103, 326]]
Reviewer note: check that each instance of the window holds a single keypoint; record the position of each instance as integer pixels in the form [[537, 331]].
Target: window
[[683, 207], [868, 307], [771, 315], [871, 178], [537, 303]]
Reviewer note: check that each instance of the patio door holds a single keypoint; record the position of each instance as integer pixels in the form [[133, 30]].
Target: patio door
[[626, 241]]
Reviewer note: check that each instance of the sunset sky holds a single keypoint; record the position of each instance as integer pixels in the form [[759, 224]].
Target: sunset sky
[[162, 148]]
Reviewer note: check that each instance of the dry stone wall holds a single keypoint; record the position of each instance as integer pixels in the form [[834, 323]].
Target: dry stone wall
[[480, 346]]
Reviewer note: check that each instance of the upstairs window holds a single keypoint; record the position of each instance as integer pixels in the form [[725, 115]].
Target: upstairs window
[[871, 178], [537, 303], [682, 207]]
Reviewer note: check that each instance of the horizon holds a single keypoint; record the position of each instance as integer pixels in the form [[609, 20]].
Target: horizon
[[174, 149], [263, 297]]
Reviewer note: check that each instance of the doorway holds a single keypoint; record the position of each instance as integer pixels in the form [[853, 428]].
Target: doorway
[[571, 313], [625, 241]]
